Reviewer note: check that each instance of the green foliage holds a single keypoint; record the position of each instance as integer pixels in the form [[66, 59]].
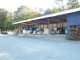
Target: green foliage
[[55, 10], [73, 4], [48, 11], [5, 20], [8, 26], [24, 13], [70, 4], [61, 4]]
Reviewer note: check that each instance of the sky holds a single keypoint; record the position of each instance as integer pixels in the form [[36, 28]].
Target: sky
[[12, 5]]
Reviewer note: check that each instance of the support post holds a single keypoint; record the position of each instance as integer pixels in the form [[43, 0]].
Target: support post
[[49, 27]]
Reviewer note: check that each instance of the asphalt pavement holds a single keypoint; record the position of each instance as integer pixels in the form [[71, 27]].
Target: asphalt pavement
[[27, 48]]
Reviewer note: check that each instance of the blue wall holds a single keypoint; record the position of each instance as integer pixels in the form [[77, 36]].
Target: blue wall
[[73, 19]]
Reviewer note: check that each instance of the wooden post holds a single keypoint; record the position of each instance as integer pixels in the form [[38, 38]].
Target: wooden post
[[62, 23], [49, 27], [56, 25], [52, 25]]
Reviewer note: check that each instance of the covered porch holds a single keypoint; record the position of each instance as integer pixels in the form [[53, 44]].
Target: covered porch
[[53, 24], [50, 25]]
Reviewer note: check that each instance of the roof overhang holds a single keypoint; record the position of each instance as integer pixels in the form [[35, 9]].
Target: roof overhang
[[51, 15]]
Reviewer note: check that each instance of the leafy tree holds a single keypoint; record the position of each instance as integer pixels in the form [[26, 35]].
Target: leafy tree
[[56, 9], [8, 26], [25, 12], [40, 10], [73, 4], [61, 4], [70, 4], [48, 11], [8, 23], [5, 20]]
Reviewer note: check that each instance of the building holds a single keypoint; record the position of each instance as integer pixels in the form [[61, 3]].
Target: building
[[59, 23]]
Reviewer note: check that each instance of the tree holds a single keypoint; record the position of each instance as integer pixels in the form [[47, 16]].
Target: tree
[[61, 4], [73, 4], [9, 23], [3, 18], [24, 12], [48, 11], [56, 9], [67, 4]]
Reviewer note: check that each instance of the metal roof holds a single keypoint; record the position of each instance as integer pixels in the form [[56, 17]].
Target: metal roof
[[50, 15]]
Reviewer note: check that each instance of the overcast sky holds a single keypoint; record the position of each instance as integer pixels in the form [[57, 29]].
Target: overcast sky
[[12, 5]]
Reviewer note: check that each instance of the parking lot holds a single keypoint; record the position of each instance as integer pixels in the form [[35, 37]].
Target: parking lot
[[30, 48]]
